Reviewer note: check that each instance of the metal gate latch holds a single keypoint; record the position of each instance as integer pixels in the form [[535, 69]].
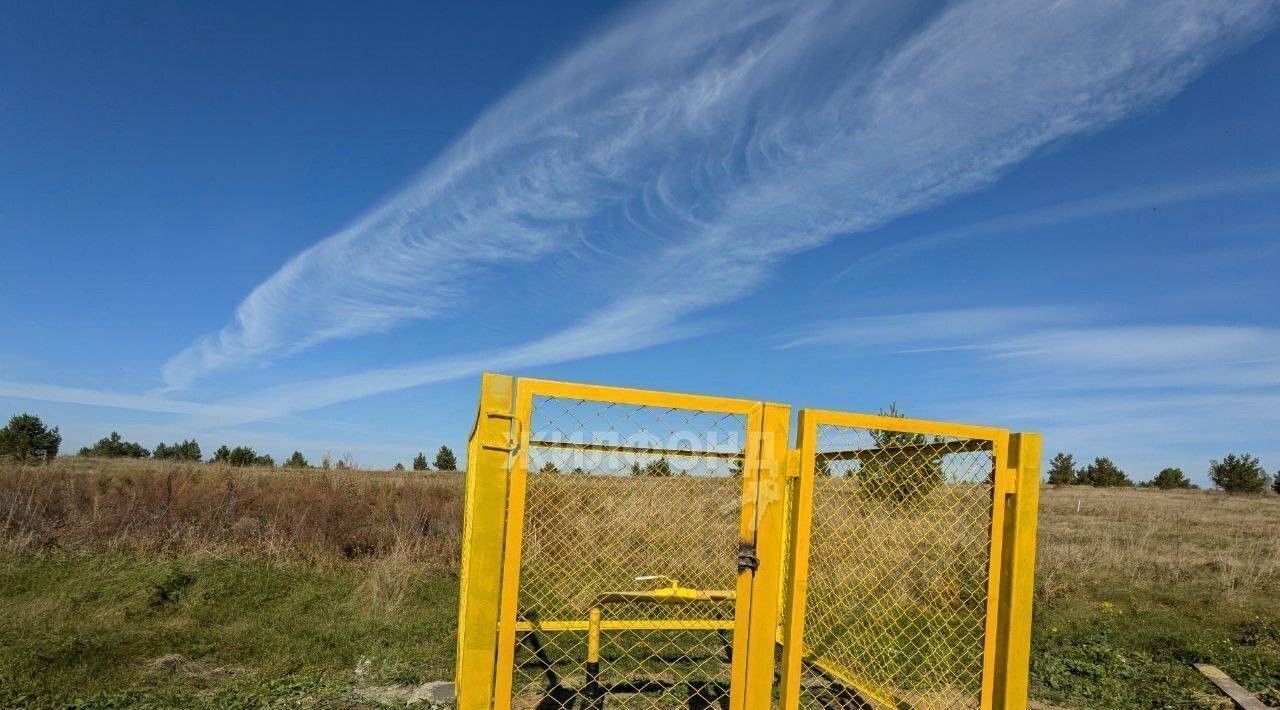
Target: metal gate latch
[[747, 559]]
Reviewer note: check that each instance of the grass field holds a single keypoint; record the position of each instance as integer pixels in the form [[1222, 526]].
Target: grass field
[[133, 584]]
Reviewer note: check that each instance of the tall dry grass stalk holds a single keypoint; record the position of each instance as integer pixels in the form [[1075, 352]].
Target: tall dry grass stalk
[[159, 507], [395, 522], [1151, 538]]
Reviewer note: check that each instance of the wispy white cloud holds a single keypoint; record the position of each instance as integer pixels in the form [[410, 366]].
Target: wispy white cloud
[[120, 400], [953, 328], [1120, 202], [1143, 431], [712, 139], [1144, 346], [1146, 395], [1057, 348]]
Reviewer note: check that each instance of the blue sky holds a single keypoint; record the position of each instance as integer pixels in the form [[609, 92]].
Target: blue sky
[[311, 226]]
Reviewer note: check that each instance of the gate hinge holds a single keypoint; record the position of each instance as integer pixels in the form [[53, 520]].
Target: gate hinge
[[747, 559], [514, 442]]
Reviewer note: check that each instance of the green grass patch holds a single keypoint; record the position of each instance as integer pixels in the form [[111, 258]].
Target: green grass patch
[[115, 630], [1117, 647]]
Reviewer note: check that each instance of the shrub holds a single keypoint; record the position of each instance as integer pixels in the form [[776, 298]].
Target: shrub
[[445, 460], [1171, 478], [399, 467], [904, 468], [184, 451], [296, 460], [1103, 473], [420, 462], [659, 468], [242, 456], [265, 461], [1238, 474], [113, 447], [26, 438], [1062, 470]]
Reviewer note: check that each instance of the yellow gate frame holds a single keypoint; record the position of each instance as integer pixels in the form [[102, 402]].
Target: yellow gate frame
[[770, 609]]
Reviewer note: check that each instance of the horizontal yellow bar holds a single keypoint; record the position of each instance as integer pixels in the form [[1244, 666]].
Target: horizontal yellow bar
[[630, 625], [642, 450], [933, 449], [912, 426], [640, 398]]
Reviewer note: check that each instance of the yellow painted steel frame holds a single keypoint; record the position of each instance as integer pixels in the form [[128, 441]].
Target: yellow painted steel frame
[[764, 470], [488, 453], [1007, 639], [497, 464]]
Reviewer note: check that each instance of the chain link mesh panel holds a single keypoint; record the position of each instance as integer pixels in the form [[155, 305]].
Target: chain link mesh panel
[[898, 570], [616, 492]]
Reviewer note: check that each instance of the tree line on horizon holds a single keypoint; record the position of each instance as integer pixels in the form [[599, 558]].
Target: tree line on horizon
[[27, 439], [1234, 474]]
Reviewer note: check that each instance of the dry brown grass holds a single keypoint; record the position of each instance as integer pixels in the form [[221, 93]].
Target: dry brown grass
[[1189, 568], [161, 507], [1158, 538], [1152, 537]]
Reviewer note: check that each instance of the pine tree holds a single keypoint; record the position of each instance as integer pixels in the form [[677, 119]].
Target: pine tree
[[660, 468], [1238, 474], [265, 461], [399, 466], [1103, 473], [114, 446], [178, 451], [242, 456], [26, 438], [1171, 478], [296, 460], [904, 468], [445, 460], [420, 462], [222, 455], [1062, 470]]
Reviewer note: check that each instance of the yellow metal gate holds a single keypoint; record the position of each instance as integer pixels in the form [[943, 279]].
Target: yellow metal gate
[[635, 549]]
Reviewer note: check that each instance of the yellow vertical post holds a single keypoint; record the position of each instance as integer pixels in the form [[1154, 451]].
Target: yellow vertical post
[[795, 587], [746, 538], [1017, 582], [484, 517], [769, 535], [1003, 485], [517, 483]]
